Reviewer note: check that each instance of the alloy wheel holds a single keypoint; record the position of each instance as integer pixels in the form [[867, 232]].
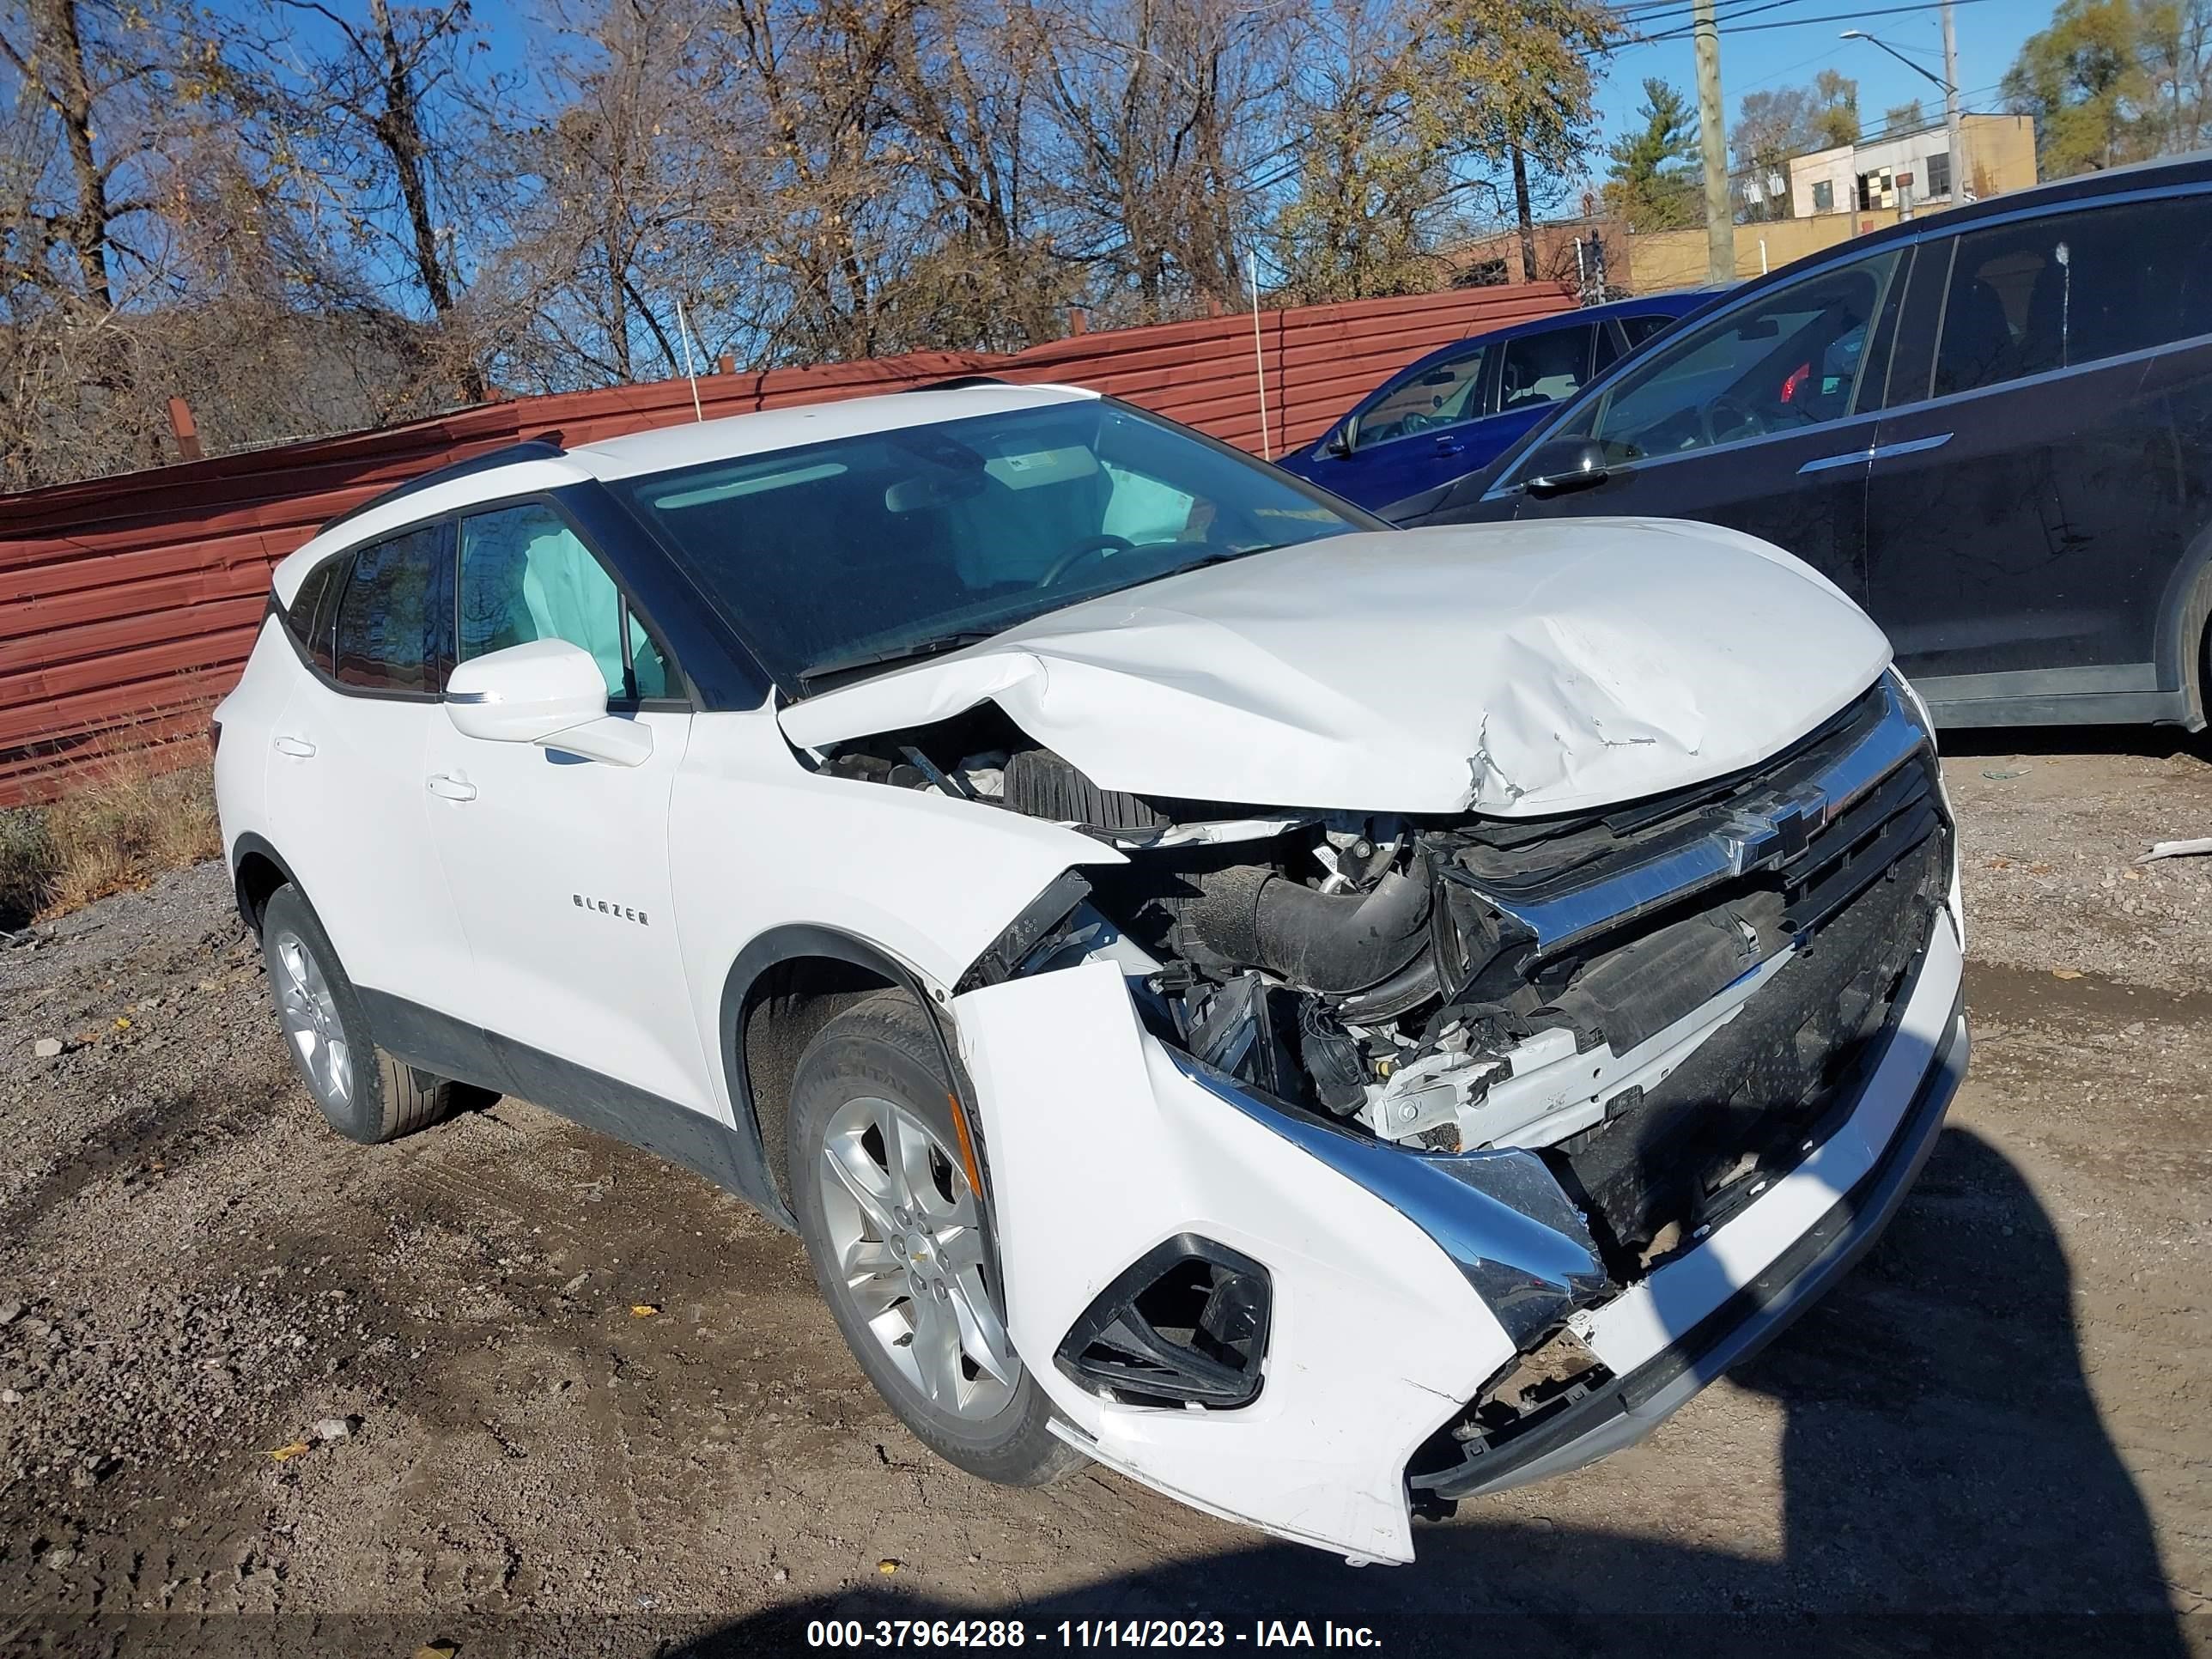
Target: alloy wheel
[[907, 1245], [310, 1018]]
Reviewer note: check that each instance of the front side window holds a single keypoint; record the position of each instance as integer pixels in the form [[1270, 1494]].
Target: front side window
[[1442, 394], [527, 576], [859, 551], [1544, 368], [1793, 357], [2073, 288], [385, 639]]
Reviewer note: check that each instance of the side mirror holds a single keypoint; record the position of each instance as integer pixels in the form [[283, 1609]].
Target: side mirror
[[1339, 443], [1564, 464], [548, 692]]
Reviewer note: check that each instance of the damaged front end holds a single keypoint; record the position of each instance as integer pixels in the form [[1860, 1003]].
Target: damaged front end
[[1566, 1050]]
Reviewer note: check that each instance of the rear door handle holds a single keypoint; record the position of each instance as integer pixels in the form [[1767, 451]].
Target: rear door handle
[[299, 748], [446, 787]]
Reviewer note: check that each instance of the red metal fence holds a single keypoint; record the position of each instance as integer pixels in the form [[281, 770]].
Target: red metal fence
[[127, 604]]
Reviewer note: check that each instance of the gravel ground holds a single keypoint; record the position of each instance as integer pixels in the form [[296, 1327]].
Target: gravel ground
[[264, 1390]]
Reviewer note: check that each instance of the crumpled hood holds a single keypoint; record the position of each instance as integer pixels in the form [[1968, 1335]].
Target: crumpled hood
[[1512, 669]]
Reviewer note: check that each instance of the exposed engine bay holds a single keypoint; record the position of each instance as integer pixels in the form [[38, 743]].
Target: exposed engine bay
[[1661, 998]]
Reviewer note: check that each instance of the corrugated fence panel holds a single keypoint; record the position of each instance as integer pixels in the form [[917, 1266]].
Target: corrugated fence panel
[[127, 604]]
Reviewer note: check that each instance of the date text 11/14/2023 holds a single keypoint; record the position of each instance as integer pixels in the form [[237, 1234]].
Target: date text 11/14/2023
[[973, 1633]]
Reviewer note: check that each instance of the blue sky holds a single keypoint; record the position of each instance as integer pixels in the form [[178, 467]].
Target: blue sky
[[1989, 33]]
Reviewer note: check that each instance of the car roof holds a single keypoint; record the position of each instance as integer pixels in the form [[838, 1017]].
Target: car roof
[[665, 448], [1672, 302]]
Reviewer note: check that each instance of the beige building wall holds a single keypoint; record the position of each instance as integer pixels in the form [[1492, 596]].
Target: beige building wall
[[1665, 259], [2000, 154], [2000, 150]]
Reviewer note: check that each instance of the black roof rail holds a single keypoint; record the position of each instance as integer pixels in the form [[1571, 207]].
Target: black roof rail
[[958, 382], [545, 446]]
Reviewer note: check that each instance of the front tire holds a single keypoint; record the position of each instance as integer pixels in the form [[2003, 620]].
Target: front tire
[[893, 1227], [366, 1094]]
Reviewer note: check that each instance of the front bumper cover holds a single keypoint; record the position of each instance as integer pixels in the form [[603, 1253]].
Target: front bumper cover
[[1104, 1143], [1624, 1410]]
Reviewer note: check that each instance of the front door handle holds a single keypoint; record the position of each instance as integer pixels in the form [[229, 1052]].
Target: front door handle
[[1873, 453], [299, 748], [446, 787], [1448, 445], [1909, 447]]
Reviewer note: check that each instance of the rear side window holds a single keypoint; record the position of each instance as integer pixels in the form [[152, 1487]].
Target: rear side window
[[385, 639], [1442, 394], [2070, 289], [1544, 368], [526, 575]]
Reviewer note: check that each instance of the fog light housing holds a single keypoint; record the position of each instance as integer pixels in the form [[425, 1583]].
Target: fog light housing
[[1184, 1324]]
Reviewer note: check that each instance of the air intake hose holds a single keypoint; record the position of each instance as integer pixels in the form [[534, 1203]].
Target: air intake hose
[[1330, 942]]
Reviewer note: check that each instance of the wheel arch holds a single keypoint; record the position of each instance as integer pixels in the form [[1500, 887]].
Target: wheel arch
[[2185, 625], [784, 986], [257, 871]]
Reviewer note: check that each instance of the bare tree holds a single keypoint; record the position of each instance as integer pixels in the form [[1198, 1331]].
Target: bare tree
[[375, 127], [1164, 117]]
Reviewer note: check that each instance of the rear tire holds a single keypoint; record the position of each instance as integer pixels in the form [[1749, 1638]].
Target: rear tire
[[366, 1094], [893, 1229]]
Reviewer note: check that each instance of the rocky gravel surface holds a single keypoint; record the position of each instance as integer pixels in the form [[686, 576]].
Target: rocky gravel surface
[[507, 1386]]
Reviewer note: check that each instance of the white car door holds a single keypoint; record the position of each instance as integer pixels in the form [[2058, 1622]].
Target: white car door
[[559, 864], [346, 802]]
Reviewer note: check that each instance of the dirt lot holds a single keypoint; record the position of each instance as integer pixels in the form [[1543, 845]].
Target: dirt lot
[[1997, 1426]]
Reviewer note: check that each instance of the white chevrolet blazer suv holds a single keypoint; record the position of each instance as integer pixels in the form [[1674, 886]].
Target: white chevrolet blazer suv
[[1325, 1019]]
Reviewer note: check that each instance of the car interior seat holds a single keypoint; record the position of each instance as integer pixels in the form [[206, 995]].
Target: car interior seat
[[1975, 336]]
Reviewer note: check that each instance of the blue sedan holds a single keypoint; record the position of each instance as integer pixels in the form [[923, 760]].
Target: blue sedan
[[1457, 409]]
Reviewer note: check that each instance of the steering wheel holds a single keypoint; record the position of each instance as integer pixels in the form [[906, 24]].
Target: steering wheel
[[1089, 547], [1747, 422]]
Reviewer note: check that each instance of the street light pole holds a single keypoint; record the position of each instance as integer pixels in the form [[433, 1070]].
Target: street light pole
[[1953, 128], [1962, 179]]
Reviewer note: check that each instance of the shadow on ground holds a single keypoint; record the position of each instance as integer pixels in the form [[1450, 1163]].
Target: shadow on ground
[[2151, 742], [1948, 1488]]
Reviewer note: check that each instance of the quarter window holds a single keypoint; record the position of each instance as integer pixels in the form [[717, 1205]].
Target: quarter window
[[2071, 288], [384, 632], [1792, 358], [308, 604], [526, 575], [1442, 394]]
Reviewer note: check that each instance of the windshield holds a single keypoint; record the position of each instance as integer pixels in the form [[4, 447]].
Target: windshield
[[842, 555]]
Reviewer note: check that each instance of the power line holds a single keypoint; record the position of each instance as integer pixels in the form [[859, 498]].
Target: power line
[[1796, 22], [1724, 12]]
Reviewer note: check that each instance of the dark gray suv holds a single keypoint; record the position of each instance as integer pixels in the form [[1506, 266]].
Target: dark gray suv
[[1992, 427]]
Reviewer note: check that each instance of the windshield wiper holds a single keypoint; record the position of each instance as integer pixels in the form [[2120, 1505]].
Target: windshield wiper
[[934, 645]]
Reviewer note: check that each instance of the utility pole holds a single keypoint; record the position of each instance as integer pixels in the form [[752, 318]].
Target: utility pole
[[1712, 143], [1954, 130]]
